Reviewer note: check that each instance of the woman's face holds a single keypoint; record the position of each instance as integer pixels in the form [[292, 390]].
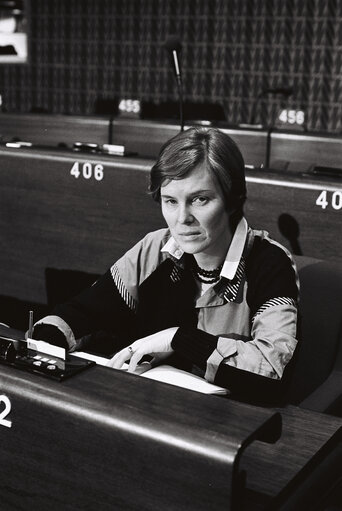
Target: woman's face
[[195, 212]]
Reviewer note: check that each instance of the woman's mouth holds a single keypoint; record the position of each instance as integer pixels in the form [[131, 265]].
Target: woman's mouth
[[189, 235]]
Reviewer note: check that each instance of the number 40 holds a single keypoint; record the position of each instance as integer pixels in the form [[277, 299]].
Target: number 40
[[336, 199]]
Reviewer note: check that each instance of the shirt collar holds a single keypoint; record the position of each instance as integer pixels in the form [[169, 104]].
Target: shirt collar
[[235, 250], [233, 256], [172, 248]]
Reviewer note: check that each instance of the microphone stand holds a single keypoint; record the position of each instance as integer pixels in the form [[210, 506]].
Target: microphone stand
[[180, 94], [284, 92]]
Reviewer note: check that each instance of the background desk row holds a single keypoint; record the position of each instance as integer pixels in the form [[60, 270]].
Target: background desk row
[[297, 150]]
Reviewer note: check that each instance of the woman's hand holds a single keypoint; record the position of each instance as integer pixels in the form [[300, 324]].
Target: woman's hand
[[158, 345]]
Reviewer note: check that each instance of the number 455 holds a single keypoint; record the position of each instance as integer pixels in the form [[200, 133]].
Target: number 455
[[335, 199]]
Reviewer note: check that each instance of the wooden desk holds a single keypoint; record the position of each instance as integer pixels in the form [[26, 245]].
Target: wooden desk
[[147, 137], [285, 204], [302, 150], [111, 440], [273, 469], [51, 130], [143, 137], [51, 219], [296, 150], [107, 439]]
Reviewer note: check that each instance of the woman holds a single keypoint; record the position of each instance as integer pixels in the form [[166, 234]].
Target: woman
[[214, 295]]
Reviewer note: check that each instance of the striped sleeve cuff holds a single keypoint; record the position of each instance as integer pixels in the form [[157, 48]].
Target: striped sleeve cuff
[[55, 331], [194, 345], [282, 300]]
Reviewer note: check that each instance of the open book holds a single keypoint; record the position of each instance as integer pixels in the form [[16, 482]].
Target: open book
[[165, 373]]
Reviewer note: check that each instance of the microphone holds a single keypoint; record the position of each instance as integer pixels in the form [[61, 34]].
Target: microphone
[[173, 45]]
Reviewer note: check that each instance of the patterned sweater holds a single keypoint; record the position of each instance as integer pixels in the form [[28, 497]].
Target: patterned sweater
[[240, 333]]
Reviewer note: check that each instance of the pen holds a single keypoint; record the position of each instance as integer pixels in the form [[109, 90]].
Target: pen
[[30, 330]]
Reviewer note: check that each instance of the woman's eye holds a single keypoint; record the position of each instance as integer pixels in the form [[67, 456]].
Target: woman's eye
[[200, 200], [170, 202]]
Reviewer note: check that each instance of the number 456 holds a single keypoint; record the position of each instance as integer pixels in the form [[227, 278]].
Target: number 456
[[335, 199]]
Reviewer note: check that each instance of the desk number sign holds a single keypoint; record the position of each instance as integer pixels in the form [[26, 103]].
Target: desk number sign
[[333, 199], [130, 108], [291, 119], [5, 408], [87, 170]]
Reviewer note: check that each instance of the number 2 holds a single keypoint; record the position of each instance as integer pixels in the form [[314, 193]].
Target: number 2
[[5, 412]]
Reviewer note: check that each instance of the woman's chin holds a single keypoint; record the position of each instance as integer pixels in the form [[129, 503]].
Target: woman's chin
[[192, 246]]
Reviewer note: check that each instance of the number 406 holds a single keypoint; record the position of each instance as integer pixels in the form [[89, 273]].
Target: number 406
[[324, 200], [87, 170]]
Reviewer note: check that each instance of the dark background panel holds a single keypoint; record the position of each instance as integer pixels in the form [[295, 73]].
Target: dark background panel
[[85, 51]]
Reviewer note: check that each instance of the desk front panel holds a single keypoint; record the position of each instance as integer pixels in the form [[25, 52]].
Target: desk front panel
[[66, 210], [304, 433], [111, 440], [52, 130], [306, 150], [145, 137], [142, 137], [303, 212]]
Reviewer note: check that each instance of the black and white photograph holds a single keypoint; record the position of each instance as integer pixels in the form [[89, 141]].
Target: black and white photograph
[[171, 258]]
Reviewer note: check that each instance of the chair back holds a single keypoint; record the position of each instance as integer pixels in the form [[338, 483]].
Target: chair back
[[320, 326]]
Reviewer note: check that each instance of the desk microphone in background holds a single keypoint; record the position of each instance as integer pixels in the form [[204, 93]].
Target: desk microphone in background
[[284, 91], [174, 47], [30, 328]]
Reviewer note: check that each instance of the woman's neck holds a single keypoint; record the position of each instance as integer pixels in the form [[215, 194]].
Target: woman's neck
[[210, 261]]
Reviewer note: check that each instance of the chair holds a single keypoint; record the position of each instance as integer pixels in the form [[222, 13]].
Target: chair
[[317, 378]]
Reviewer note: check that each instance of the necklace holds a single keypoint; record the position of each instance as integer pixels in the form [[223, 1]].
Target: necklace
[[207, 276]]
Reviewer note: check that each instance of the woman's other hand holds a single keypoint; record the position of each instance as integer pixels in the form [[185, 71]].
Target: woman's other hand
[[157, 345]]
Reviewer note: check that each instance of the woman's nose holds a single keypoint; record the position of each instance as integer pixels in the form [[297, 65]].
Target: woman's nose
[[184, 215]]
